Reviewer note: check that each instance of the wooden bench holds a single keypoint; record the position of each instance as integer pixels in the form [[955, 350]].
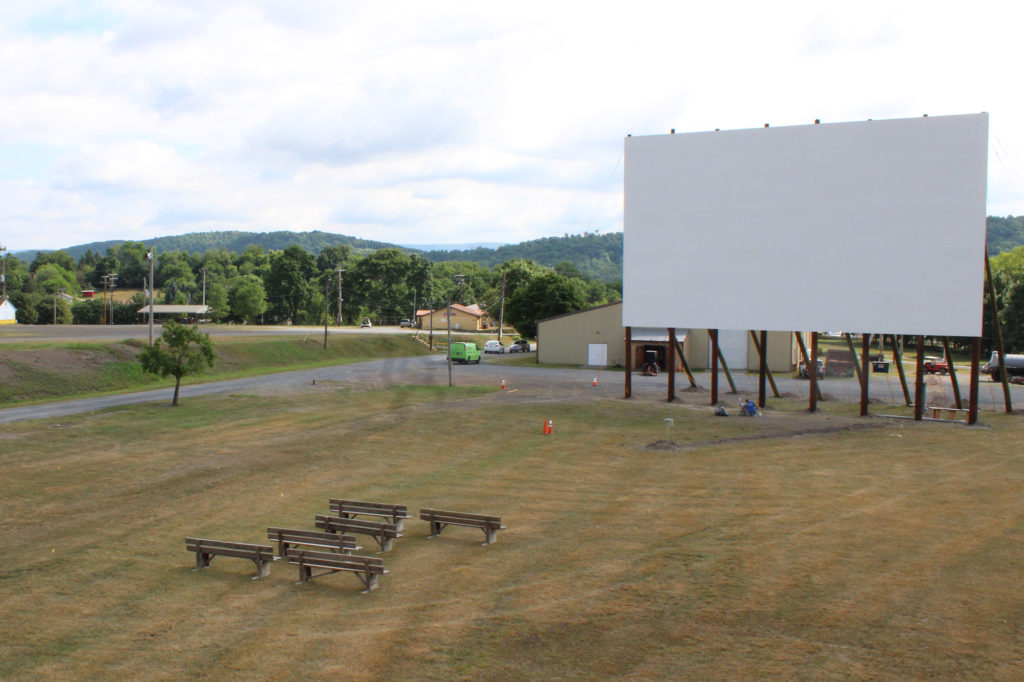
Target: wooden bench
[[205, 549], [384, 533], [287, 538], [367, 569], [490, 525], [951, 413], [348, 509]]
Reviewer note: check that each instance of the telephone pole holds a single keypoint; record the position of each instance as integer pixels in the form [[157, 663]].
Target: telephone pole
[[501, 311], [459, 280], [3, 276], [150, 256], [341, 276], [57, 292]]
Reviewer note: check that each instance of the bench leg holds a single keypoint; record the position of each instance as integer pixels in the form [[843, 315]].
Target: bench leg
[[262, 568], [371, 582], [305, 573], [435, 528], [202, 560], [492, 535], [385, 546], [399, 524]]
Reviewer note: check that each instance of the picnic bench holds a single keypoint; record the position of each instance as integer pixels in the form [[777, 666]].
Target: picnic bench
[[286, 538], [206, 549], [367, 569], [952, 413], [348, 509], [438, 520], [381, 531]]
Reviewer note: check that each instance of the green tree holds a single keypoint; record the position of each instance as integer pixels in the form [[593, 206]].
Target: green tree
[[51, 277], [247, 299], [60, 258], [545, 296], [189, 351], [289, 282]]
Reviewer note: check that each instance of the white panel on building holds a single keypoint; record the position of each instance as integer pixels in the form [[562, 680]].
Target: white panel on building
[[597, 354]]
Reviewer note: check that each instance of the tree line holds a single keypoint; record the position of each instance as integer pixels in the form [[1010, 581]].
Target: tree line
[[292, 286]]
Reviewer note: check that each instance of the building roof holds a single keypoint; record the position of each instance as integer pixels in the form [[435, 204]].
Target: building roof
[[467, 309], [176, 309]]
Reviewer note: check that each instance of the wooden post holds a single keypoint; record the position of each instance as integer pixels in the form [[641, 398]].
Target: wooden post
[[629, 363], [725, 365], [865, 349], [671, 364], [812, 374], [999, 333], [686, 366], [972, 404], [919, 381], [953, 381], [713, 333], [767, 369], [897, 359], [806, 357], [853, 352]]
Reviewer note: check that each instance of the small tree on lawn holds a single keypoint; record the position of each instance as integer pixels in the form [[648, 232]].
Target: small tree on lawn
[[189, 351]]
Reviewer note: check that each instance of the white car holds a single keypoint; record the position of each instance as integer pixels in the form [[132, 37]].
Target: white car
[[494, 347]]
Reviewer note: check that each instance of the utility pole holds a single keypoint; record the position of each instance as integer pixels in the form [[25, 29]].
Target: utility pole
[[150, 256], [458, 279], [327, 307], [341, 276], [431, 321], [57, 292], [501, 311], [112, 278], [3, 276]]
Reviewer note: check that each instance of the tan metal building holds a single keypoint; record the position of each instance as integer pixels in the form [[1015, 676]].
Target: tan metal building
[[597, 337]]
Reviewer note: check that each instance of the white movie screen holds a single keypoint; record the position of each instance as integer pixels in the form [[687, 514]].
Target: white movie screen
[[873, 226]]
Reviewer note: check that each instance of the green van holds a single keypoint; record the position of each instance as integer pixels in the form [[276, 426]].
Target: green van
[[465, 353]]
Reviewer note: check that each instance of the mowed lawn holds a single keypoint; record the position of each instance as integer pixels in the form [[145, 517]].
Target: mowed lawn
[[788, 546]]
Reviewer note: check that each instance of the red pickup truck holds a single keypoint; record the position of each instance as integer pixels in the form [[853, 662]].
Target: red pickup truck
[[934, 365]]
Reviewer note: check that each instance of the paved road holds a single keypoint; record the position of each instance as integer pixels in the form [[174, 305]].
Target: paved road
[[532, 384]]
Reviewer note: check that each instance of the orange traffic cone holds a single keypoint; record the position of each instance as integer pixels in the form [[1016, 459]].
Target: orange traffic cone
[[551, 427], [503, 384], [544, 427], [595, 381]]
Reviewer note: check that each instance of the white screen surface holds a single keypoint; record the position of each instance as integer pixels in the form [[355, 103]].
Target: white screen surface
[[875, 226]]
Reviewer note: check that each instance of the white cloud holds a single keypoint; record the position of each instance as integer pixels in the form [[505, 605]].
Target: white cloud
[[452, 121]]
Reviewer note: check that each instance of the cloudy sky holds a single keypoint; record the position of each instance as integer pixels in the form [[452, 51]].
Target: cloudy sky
[[444, 122]]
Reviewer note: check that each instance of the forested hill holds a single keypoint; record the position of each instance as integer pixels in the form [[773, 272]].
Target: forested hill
[[1004, 234], [597, 255], [236, 242]]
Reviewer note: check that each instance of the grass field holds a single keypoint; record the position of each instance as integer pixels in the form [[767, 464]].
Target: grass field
[[788, 546], [32, 371]]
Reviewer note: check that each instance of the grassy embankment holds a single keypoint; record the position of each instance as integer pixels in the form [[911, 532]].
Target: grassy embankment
[[786, 547], [38, 371]]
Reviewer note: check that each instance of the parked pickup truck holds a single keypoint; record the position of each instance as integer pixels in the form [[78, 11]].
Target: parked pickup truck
[[1014, 366]]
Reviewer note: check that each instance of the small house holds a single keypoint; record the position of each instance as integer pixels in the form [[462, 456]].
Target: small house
[[7, 312]]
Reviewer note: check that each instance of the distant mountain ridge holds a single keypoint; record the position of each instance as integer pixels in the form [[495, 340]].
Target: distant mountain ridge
[[596, 255]]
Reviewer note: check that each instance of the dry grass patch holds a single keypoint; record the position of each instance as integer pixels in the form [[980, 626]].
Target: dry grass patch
[[786, 546]]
